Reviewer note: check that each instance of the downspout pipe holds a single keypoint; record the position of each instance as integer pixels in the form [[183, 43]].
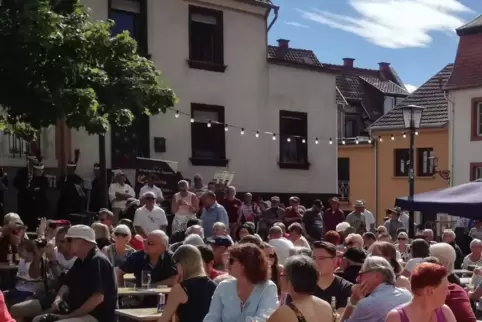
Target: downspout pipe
[[452, 148], [276, 11]]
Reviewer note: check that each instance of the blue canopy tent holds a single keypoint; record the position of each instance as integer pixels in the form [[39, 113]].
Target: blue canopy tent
[[464, 200]]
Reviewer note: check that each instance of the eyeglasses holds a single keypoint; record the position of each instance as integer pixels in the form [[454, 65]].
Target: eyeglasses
[[120, 235]]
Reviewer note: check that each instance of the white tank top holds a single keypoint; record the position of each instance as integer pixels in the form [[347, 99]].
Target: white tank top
[[184, 209]]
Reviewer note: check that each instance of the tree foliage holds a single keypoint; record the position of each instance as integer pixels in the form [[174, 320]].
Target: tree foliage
[[58, 64]]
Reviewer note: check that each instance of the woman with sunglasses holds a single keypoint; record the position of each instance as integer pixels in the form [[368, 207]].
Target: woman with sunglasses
[[190, 299], [275, 269], [250, 295], [118, 252], [402, 246]]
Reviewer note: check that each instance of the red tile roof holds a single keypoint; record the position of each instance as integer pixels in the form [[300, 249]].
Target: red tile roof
[[294, 55], [430, 95], [468, 62]]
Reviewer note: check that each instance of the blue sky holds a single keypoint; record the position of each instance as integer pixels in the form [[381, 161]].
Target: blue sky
[[416, 36]]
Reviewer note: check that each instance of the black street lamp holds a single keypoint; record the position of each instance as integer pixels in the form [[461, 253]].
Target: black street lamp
[[412, 116]]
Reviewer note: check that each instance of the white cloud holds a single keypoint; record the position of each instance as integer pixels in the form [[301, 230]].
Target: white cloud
[[296, 24], [395, 23], [411, 88]]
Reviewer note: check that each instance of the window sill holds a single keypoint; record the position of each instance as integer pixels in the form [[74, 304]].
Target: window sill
[[476, 138], [209, 66], [209, 162], [296, 166], [416, 177]]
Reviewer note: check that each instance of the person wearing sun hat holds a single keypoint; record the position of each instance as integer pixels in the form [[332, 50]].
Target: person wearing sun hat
[[95, 300]]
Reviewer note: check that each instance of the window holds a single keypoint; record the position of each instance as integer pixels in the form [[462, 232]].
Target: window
[[130, 15], [293, 143], [402, 159], [389, 104], [349, 129], [476, 171], [476, 126], [208, 141], [425, 166], [344, 178], [206, 48]]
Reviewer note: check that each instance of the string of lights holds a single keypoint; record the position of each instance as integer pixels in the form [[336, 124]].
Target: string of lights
[[274, 135]]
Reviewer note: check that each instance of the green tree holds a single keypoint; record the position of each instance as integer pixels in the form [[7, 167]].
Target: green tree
[[58, 64]]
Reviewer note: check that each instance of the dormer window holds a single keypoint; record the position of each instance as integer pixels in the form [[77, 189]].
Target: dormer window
[[389, 104]]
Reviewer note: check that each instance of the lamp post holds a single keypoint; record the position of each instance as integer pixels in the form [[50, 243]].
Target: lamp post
[[412, 115]]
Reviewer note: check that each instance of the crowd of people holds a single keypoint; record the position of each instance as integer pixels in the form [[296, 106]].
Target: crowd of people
[[228, 260]]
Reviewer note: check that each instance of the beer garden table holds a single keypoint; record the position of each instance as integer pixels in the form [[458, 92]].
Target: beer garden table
[[133, 291], [149, 314]]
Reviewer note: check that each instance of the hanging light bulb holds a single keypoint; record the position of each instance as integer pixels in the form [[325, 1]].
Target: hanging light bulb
[[242, 131], [404, 135], [257, 134], [303, 141], [192, 119], [343, 141], [331, 141], [288, 140], [274, 137], [416, 132], [177, 114], [392, 137], [316, 141], [226, 128], [369, 140], [356, 140], [209, 123], [380, 139]]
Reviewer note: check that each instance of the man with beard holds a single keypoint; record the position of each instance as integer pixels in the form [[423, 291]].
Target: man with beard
[[72, 195]]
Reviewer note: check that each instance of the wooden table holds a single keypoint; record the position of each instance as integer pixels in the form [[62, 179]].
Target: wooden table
[[149, 314], [128, 291], [462, 271], [6, 266]]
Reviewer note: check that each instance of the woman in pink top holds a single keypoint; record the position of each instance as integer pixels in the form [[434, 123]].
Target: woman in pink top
[[184, 206], [430, 288]]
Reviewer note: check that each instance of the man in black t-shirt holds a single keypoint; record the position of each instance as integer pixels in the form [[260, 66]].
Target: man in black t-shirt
[[90, 289], [313, 222], [329, 285]]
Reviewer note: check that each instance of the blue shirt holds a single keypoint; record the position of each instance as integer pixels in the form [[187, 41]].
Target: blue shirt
[[226, 305], [383, 299], [212, 215], [139, 261]]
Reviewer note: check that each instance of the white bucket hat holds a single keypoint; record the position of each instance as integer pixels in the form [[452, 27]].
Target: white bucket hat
[[81, 232]]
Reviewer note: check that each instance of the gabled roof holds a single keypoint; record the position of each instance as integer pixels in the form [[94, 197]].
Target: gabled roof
[[294, 55], [430, 95], [386, 87], [475, 26]]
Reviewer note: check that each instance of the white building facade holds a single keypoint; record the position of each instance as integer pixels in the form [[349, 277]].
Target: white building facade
[[464, 94], [232, 82]]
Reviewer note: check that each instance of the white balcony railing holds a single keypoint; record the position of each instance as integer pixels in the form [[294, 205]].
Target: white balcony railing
[[344, 189]]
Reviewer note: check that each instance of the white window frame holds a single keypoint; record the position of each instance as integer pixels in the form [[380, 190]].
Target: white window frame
[[477, 173]]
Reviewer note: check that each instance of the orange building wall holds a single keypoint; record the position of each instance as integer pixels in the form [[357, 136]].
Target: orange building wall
[[362, 174], [389, 186]]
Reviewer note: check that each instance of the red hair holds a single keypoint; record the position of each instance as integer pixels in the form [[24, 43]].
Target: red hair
[[332, 237], [427, 275]]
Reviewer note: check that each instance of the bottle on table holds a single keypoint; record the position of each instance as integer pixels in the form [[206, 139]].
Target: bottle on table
[[333, 309], [162, 303], [10, 256]]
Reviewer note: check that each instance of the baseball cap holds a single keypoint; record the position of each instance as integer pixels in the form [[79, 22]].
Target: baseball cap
[[220, 241], [355, 255], [81, 232]]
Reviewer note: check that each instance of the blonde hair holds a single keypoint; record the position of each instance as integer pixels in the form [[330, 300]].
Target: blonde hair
[[445, 253], [190, 259], [100, 230], [11, 216], [357, 238]]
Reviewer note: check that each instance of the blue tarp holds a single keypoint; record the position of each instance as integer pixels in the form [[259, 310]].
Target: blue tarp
[[464, 201]]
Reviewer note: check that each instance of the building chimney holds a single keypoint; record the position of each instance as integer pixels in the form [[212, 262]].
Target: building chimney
[[384, 66], [283, 43], [348, 62]]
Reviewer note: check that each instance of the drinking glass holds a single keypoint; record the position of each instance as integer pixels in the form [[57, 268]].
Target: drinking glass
[[146, 279]]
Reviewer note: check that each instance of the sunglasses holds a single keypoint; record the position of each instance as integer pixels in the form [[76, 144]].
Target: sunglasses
[[120, 235]]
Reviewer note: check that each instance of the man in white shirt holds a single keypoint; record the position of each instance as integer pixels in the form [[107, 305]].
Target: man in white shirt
[[280, 244], [149, 217], [149, 186], [119, 192]]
